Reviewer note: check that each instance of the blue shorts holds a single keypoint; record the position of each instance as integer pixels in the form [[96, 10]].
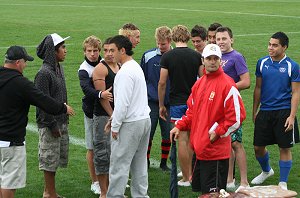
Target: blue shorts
[[176, 112]]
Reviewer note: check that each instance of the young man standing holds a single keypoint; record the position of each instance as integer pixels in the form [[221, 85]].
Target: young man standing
[[103, 79], [150, 64], [17, 94], [91, 50], [132, 32], [53, 130], [130, 125], [234, 65], [182, 66], [215, 109], [277, 94]]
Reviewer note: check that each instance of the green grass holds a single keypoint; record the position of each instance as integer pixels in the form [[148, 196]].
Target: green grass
[[253, 22]]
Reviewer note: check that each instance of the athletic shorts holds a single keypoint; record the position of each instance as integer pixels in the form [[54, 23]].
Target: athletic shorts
[[213, 175], [101, 145], [176, 112], [196, 184], [237, 135], [53, 151], [88, 128], [13, 167], [269, 129]]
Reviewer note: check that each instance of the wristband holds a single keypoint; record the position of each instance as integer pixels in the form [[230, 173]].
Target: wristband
[[100, 93]]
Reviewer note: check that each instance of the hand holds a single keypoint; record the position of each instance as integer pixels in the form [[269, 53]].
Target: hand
[[289, 123], [56, 133], [70, 110], [212, 136], [114, 135], [174, 132], [107, 95], [163, 113], [107, 127]]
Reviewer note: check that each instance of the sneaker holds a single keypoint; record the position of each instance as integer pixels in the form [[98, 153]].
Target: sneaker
[[183, 183], [179, 174], [283, 185], [165, 168], [230, 185], [262, 177], [95, 188]]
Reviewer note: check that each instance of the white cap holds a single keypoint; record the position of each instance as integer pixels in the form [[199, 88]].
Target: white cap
[[58, 39], [212, 49]]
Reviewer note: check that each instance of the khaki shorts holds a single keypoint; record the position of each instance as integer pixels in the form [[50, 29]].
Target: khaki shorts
[[13, 167], [53, 152]]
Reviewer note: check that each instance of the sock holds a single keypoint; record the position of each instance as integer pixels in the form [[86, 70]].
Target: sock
[[264, 162], [149, 149], [285, 168], [165, 149]]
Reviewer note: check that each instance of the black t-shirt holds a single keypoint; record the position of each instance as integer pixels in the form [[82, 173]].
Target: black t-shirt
[[183, 65]]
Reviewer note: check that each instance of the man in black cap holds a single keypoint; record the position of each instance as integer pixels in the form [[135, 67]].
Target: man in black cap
[[17, 94]]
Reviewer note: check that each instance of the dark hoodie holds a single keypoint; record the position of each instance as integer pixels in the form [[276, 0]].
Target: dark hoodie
[[17, 93], [50, 79]]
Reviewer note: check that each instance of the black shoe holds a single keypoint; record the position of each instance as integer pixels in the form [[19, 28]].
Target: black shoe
[[165, 168]]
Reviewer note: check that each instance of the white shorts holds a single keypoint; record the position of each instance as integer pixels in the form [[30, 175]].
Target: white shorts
[[88, 127], [13, 167]]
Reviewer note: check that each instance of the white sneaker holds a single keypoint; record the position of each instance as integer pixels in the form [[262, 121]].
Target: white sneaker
[[179, 174], [183, 183], [230, 185], [262, 177], [283, 185], [95, 188], [241, 188]]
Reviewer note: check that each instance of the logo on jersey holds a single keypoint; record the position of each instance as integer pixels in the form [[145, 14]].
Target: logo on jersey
[[282, 69], [223, 63], [267, 66], [212, 95], [156, 65]]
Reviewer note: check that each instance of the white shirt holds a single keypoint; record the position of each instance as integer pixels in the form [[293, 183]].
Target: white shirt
[[130, 95]]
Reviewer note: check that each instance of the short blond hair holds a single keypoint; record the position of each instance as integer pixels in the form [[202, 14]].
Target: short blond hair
[[92, 41], [128, 29], [180, 33], [163, 33]]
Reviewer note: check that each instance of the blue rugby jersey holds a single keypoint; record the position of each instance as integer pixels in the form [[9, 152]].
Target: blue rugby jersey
[[276, 82], [150, 64]]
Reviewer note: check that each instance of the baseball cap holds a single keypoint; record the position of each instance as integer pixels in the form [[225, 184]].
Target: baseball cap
[[212, 49], [58, 39], [16, 53]]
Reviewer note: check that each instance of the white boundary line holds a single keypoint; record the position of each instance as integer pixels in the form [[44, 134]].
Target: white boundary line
[[81, 142], [154, 8]]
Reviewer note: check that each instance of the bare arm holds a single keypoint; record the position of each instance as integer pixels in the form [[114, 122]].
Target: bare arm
[[99, 75], [256, 97], [162, 84], [244, 82], [289, 124]]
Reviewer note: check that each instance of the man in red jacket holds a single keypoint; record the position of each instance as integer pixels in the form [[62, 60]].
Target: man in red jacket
[[215, 110]]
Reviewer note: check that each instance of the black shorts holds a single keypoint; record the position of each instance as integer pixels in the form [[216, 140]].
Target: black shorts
[[213, 175], [196, 185], [269, 129]]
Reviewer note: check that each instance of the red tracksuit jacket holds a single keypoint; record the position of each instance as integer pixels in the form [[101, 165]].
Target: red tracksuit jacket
[[215, 104]]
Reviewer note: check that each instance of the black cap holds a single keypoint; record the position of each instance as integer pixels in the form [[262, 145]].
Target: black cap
[[17, 53]]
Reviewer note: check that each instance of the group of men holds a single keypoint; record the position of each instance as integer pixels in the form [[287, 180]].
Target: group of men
[[195, 92]]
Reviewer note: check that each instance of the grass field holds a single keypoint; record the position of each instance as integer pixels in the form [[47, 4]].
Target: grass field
[[252, 21]]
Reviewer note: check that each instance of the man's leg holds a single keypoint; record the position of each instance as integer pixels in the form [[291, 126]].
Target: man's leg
[[230, 181], [7, 193], [154, 116], [285, 165], [138, 168], [88, 126], [241, 159], [103, 181], [49, 190], [185, 155], [165, 142]]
